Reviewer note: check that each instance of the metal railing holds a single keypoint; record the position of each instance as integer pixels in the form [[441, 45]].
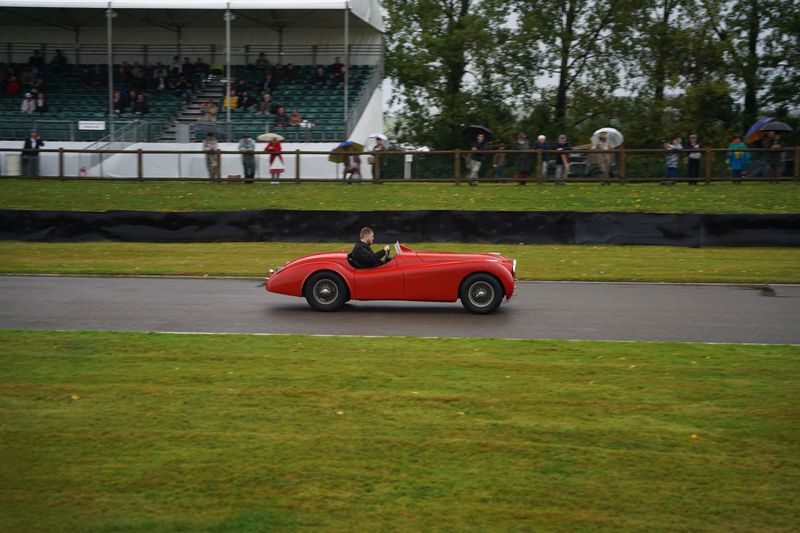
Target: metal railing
[[629, 166]]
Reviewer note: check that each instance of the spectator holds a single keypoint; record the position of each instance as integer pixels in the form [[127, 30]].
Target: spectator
[[562, 159], [123, 71], [499, 163], [352, 165], [41, 105], [262, 63], [265, 105], [176, 66], [603, 159], [30, 154], [184, 88], [522, 160], [210, 111], [118, 103], [290, 73], [13, 87], [338, 78], [187, 69], [378, 162], [201, 66], [36, 84], [59, 62], [4, 74], [766, 144], [276, 166], [281, 119], [673, 158], [247, 147], [693, 163], [160, 77], [86, 76], [97, 75], [319, 76], [130, 97], [737, 159], [294, 118], [247, 102], [476, 159], [210, 147], [36, 62], [542, 145], [775, 156], [140, 106], [270, 83], [28, 104], [241, 86], [137, 73], [232, 101], [336, 67], [277, 71]]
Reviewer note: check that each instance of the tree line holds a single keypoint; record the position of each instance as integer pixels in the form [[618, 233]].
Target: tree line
[[652, 68]]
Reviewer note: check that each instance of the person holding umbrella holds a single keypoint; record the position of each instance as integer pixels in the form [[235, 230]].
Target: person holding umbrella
[[247, 147], [476, 159], [276, 165], [602, 144], [376, 143], [775, 155]]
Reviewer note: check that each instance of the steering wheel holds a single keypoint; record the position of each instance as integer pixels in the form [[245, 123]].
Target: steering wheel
[[388, 256]]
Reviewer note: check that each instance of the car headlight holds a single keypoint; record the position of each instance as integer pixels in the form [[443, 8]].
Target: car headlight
[[514, 268]]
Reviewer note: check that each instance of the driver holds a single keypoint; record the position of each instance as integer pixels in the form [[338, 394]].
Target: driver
[[362, 255]]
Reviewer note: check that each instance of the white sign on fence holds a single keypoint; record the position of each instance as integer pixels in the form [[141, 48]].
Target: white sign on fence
[[95, 125]]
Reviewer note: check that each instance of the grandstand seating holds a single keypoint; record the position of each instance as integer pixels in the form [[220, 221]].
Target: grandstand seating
[[70, 101]]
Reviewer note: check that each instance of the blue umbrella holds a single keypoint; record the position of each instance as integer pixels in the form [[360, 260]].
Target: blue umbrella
[[753, 134]]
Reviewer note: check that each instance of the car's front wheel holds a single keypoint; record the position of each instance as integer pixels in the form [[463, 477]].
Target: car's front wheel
[[481, 294], [326, 291]]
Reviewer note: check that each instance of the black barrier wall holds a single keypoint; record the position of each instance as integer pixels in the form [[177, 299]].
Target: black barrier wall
[[556, 227]]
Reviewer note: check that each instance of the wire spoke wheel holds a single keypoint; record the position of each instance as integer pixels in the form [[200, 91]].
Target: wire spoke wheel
[[481, 294], [325, 291]]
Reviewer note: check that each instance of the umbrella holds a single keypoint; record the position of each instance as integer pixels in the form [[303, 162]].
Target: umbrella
[[208, 127], [776, 126], [613, 135], [754, 133], [471, 132], [339, 153], [269, 137], [372, 140]]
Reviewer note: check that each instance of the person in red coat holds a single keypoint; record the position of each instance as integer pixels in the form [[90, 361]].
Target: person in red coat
[[276, 166]]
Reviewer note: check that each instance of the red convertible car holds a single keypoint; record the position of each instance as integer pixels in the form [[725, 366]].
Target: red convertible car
[[328, 280]]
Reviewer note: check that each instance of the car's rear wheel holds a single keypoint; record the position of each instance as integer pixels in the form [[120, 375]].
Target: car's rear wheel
[[481, 294], [326, 291]]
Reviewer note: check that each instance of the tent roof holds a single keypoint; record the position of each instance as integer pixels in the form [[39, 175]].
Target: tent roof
[[200, 13]]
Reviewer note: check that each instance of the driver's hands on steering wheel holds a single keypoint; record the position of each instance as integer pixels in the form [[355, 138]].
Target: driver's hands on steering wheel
[[386, 248]]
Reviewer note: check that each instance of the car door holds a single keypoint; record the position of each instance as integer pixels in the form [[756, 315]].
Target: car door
[[380, 283]]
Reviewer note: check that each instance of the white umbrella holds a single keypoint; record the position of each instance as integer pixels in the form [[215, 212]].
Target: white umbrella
[[612, 135], [269, 137], [372, 140]]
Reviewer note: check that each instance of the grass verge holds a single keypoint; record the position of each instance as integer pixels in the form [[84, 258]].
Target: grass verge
[[187, 196], [535, 262], [157, 432]]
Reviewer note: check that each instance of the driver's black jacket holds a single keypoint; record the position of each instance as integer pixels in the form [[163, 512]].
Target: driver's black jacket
[[362, 256]]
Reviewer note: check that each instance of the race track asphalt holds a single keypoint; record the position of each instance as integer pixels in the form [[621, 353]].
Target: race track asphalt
[[547, 310]]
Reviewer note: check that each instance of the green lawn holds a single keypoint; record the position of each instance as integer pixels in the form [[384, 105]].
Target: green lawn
[[157, 432], [535, 262], [202, 196]]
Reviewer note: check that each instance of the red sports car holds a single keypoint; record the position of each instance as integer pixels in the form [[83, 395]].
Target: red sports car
[[328, 280]]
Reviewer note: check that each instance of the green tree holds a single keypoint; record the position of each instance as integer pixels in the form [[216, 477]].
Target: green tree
[[439, 56]]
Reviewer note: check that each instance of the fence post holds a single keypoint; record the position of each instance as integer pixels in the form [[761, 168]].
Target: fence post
[[797, 162], [60, 162], [297, 165], [540, 176], [457, 155], [622, 168], [709, 161], [139, 166]]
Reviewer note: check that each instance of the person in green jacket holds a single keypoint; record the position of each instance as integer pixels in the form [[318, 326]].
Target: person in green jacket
[[737, 159]]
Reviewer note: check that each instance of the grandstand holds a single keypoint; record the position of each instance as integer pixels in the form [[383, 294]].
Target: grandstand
[[305, 33]]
